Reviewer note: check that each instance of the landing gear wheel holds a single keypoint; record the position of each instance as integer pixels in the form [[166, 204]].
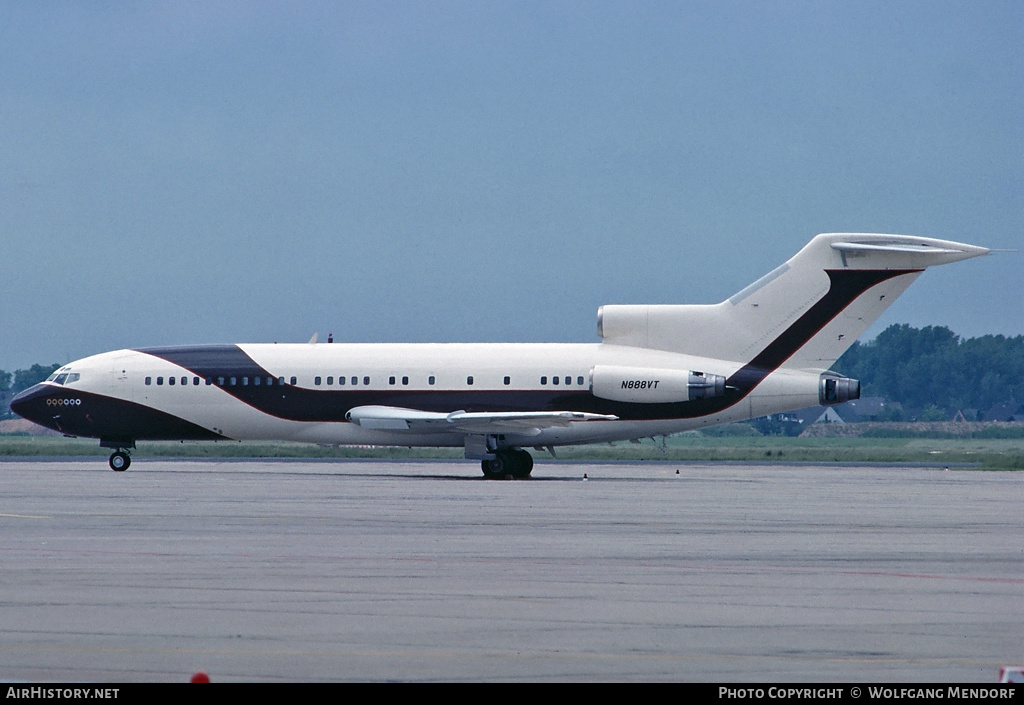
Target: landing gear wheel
[[119, 461], [522, 465], [496, 468], [508, 462]]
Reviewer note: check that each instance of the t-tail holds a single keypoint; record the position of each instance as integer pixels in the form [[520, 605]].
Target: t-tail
[[802, 315]]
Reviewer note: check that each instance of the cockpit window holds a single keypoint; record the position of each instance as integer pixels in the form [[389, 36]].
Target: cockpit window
[[59, 377]]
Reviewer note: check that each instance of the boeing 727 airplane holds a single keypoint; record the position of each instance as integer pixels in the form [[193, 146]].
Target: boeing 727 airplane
[[658, 370]]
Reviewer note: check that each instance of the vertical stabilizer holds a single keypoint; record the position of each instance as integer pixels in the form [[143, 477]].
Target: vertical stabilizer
[[803, 314]]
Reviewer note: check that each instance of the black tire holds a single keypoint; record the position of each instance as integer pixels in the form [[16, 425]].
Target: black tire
[[508, 462], [120, 461], [498, 468], [522, 464]]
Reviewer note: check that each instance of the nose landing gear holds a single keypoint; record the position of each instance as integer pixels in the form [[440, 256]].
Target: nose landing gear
[[120, 460]]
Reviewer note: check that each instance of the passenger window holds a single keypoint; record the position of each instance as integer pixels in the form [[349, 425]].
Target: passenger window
[[280, 381], [209, 381], [330, 381], [405, 380], [159, 381], [195, 381], [391, 380], [554, 380], [355, 381], [508, 380], [220, 381], [316, 381], [543, 380], [257, 381], [366, 380], [341, 381], [149, 380], [568, 381], [579, 381], [430, 379], [469, 380], [234, 381], [295, 380], [170, 381]]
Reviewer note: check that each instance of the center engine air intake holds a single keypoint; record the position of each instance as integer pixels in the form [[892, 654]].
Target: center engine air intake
[[835, 390], [646, 385]]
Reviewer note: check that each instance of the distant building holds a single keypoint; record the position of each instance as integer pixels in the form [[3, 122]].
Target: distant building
[[1007, 411], [870, 409], [819, 414], [856, 411]]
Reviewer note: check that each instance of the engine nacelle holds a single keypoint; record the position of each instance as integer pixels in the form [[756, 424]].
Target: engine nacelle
[[647, 385], [834, 389]]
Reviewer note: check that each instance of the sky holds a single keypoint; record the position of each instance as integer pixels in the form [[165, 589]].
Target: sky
[[210, 172]]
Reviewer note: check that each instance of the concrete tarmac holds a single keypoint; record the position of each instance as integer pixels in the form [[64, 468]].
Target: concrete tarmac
[[423, 571]]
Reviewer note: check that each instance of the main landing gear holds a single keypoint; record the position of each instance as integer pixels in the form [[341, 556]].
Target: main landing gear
[[508, 462]]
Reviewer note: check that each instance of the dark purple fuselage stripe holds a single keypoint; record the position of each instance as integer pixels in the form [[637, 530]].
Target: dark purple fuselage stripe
[[845, 285]]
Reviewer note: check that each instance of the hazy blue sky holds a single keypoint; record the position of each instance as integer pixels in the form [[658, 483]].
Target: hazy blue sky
[[185, 172]]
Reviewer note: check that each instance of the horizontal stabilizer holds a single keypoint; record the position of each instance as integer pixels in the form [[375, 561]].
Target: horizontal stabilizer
[[900, 251], [863, 247]]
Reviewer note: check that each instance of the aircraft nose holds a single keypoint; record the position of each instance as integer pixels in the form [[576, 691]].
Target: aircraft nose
[[30, 404]]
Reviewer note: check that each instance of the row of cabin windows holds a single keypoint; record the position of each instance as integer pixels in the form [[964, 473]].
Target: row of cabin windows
[[568, 380], [430, 380], [226, 381], [271, 381], [318, 380]]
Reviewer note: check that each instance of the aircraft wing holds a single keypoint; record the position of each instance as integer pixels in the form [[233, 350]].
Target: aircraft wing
[[531, 423]]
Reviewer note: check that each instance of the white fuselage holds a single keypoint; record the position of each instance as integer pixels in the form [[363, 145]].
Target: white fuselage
[[442, 376]]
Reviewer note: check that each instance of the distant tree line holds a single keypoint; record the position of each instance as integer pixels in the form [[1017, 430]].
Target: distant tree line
[[934, 370]]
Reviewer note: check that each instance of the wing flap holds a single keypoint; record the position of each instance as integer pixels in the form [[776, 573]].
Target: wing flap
[[530, 423]]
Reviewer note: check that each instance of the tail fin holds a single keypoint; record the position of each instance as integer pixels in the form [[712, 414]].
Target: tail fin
[[803, 314]]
